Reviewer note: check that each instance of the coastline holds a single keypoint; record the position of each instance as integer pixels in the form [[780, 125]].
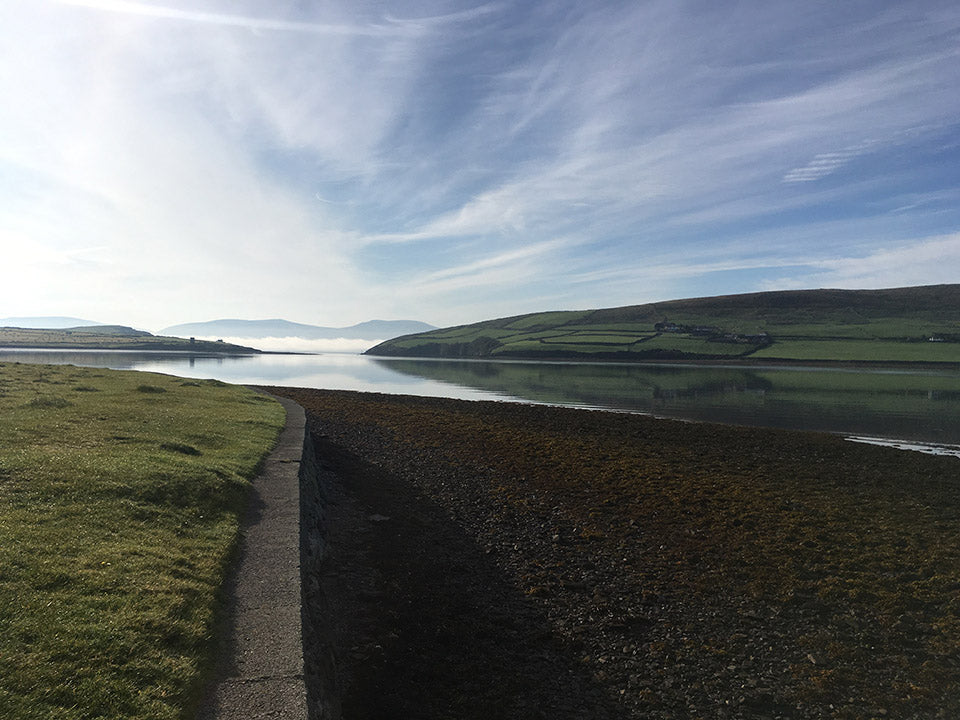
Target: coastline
[[132, 347], [649, 567], [718, 361]]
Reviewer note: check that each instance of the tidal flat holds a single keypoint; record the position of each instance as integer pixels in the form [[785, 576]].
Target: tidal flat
[[489, 559]]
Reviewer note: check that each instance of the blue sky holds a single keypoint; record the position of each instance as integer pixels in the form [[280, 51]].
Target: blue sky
[[335, 162]]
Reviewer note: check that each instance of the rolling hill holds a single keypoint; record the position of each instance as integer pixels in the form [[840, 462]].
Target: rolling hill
[[915, 324], [110, 337]]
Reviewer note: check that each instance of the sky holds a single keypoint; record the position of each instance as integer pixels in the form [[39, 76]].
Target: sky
[[333, 162]]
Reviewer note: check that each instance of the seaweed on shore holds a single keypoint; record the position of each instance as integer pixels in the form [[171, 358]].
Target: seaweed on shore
[[691, 569]]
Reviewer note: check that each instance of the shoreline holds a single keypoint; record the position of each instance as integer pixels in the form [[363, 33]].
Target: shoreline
[[147, 347], [627, 566], [704, 362]]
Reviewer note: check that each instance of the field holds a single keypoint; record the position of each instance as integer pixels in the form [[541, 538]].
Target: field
[[119, 501], [109, 338], [915, 325], [878, 350]]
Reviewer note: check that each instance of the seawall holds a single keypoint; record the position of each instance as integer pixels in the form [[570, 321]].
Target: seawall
[[259, 672], [320, 670]]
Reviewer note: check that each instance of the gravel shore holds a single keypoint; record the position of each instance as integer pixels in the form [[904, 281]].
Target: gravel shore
[[496, 560]]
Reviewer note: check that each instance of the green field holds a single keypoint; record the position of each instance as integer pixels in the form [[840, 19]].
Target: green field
[[914, 325], [109, 338], [120, 495], [878, 350]]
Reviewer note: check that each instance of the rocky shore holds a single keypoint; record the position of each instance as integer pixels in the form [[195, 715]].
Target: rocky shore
[[495, 560]]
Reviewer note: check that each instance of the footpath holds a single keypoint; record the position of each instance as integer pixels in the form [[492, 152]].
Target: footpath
[[259, 671]]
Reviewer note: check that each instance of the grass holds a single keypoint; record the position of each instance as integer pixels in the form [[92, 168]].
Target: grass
[[878, 350], [546, 319], [806, 326], [108, 340], [597, 338], [120, 496], [590, 341]]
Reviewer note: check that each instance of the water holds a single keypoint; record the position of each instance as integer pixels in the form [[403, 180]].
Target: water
[[915, 407], [332, 371]]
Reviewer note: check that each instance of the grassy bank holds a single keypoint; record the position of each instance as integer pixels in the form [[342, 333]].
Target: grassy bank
[[120, 494]]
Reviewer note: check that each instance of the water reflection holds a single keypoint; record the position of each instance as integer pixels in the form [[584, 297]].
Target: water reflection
[[910, 405], [915, 405], [331, 371]]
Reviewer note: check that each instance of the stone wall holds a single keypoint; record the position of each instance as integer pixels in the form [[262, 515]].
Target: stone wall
[[320, 667]]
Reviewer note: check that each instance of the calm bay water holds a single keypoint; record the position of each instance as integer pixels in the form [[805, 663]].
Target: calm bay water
[[915, 405]]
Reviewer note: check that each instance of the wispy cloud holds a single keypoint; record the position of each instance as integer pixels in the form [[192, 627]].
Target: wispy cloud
[[498, 270], [824, 164], [924, 261], [394, 27], [334, 160]]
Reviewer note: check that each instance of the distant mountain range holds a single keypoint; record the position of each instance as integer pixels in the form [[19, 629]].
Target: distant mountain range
[[46, 323], [254, 329]]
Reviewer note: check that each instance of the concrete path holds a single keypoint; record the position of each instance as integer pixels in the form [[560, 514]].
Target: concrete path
[[260, 665]]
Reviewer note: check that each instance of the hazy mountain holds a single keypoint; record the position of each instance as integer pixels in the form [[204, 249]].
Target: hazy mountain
[[46, 323], [253, 329]]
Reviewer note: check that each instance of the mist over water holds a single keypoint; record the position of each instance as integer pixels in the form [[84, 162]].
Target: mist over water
[[332, 371], [299, 344]]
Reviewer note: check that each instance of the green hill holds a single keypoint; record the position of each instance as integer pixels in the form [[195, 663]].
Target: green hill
[[916, 325], [108, 330], [109, 337]]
